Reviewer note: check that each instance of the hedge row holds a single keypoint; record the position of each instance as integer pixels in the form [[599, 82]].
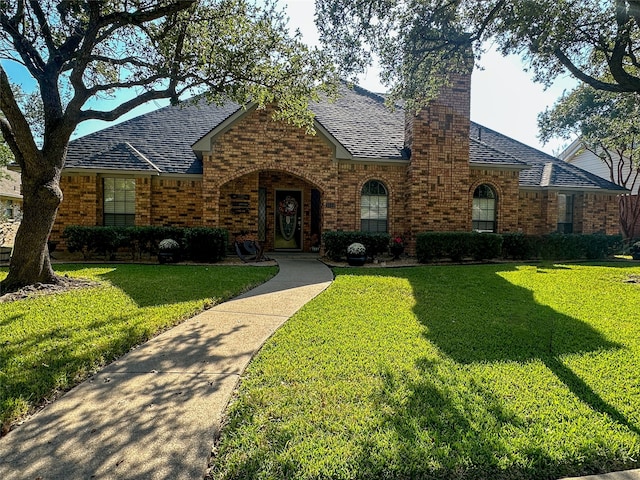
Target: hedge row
[[457, 245], [200, 244], [336, 243], [479, 246], [556, 246]]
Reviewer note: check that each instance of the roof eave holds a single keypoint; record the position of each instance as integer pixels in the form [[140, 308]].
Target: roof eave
[[574, 188], [110, 171], [500, 166], [380, 160], [13, 196]]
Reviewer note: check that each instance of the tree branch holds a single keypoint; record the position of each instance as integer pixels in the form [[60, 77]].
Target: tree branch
[[30, 57], [594, 82], [15, 128], [124, 107], [488, 19], [45, 30]]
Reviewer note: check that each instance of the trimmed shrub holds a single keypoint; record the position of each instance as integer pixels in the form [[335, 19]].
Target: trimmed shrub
[[483, 246], [486, 246], [457, 246], [77, 238], [596, 246], [336, 243], [202, 244], [599, 246], [206, 244], [518, 246]]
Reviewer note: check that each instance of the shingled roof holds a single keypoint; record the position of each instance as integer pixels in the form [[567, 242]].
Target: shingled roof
[[162, 141], [544, 170], [156, 141]]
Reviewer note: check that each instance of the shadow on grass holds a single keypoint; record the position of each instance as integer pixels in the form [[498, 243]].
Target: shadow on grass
[[496, 321], [474, 316], [156, 285]]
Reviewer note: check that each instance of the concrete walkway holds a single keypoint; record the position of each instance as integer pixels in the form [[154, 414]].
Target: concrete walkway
[[628, 475], [154, 413]]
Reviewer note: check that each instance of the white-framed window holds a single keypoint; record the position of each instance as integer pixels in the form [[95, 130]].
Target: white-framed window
[[374, 201], [7, 208], [119, 201], [483, 217], [565, 213]]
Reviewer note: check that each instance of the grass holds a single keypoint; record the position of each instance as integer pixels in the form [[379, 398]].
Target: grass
[[50, 343], [446, 372]]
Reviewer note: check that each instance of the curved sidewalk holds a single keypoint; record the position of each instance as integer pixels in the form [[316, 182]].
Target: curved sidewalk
[[153, 414]]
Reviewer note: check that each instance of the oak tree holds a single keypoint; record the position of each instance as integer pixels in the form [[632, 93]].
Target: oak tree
[[417, 41], [79, 51]]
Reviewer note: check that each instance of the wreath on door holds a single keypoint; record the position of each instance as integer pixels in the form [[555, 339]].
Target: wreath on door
[[288, 213]]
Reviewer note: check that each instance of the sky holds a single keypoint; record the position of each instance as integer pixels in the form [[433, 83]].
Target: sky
[[503, 95]]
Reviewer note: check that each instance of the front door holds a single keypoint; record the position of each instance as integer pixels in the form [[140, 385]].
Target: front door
[[288, 221]]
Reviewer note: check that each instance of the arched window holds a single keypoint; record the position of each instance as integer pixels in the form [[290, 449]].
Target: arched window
[[373, 207], [484, 209]]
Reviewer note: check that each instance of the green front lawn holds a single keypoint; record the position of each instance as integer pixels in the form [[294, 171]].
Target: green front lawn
[[52, 342], [453, 372]]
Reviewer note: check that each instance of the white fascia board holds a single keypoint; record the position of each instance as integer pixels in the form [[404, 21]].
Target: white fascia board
[[571, 151]]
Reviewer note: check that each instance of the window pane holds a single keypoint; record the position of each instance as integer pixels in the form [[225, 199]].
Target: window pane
[[565, 213], [483, 212], [373, 207], [119, 201]]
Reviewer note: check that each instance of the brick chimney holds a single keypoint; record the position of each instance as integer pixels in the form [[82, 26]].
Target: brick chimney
[[438, 172]]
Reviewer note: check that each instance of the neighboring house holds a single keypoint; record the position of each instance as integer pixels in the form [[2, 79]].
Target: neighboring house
[[576, 154], [10, 196], [367, 168]]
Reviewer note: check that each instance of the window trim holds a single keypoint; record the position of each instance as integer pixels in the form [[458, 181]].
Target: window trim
[[482, 224], [111, 217], [381, 225], [566, 226]]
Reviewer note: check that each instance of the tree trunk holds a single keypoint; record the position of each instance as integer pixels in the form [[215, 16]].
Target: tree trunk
[[629, 214], [30, 261]]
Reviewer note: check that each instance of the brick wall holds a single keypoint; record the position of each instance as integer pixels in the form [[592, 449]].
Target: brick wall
[[171, 201], [592, 212], [505, 184], [81, 204], [353, 176], [600, 214], [438, 175], [259, 152], [534, 211], [257, 143]]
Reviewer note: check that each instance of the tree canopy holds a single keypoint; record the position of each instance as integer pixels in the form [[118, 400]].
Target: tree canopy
[[416, 41], [79, 51]]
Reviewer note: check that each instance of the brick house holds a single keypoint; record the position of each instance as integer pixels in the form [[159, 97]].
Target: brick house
[[622, 173], [366, 168]]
